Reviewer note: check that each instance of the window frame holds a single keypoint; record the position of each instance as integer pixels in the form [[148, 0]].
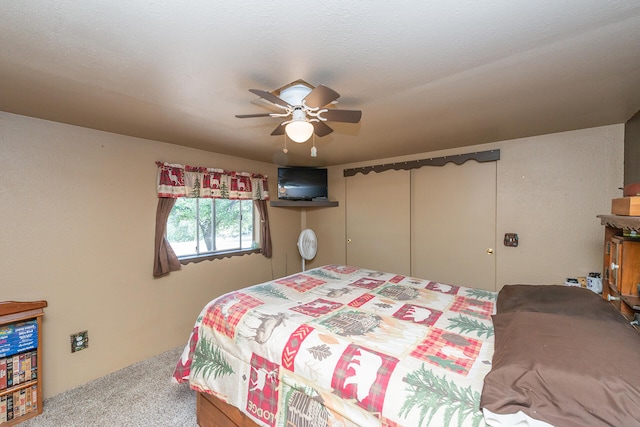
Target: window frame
[[188, 259], [209, 256]]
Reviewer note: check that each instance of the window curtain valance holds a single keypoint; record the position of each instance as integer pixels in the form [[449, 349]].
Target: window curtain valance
[[176, 180]]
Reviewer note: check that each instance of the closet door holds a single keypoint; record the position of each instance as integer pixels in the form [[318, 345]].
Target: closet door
[[453, 222], [378, 221]]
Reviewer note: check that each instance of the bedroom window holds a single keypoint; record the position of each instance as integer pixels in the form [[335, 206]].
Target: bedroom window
[[208, 213], [200, 227]]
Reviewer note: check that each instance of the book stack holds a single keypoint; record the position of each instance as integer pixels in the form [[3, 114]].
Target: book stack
[[18, 337], [18, 369], [18, 365], [20, 402]]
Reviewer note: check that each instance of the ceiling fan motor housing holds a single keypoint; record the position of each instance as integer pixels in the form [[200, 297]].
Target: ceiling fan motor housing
[[298, 113]]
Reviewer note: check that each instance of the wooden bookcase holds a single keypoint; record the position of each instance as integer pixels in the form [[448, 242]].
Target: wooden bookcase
[[13, 313]]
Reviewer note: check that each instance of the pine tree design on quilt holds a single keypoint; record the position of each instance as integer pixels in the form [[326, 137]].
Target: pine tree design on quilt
[[208, 360], [322, 274], [468, 325], [429, 393], [482, 294], [269, 290]]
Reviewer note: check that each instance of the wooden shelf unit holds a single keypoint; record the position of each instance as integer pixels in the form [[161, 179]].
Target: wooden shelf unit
[[304, 203], [621, 263], [12, 312]]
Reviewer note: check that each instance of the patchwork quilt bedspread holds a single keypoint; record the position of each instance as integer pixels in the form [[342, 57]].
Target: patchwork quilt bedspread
[[345, 346]]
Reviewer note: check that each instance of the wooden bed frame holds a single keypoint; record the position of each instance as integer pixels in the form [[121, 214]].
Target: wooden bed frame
[[213, 412]]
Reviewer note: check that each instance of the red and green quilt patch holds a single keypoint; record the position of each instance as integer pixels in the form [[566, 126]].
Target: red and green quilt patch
[[301, 282], [448, 350], [225, 314]]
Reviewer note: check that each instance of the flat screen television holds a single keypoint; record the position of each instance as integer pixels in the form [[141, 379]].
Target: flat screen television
[[300, 183]]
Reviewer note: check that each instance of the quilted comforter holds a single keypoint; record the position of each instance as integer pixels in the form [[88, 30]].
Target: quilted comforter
[[345, 346]]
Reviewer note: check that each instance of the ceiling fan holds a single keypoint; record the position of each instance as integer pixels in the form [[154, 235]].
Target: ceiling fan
[[306, 109]]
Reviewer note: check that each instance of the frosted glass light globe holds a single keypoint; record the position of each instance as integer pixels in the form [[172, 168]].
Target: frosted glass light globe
[[299, 130]]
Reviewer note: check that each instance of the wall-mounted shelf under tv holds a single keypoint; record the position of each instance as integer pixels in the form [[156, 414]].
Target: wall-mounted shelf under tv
[[304, 203]]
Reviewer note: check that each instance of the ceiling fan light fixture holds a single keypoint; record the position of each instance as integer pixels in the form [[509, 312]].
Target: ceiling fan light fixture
[[299, 130], [306, 107]]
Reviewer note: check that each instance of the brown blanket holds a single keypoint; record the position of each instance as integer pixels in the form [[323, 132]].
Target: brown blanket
[[564, 356], [556, 299]]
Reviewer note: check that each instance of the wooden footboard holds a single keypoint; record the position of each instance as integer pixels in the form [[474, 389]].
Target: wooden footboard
[[213, 412]]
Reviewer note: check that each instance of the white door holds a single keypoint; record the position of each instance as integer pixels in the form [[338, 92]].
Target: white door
[[378, 221], [453, 222]]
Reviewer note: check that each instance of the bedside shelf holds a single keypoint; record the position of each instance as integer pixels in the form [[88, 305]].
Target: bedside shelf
[[304, 203]]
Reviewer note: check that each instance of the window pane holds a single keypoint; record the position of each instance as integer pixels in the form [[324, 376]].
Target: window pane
[[227, 224], [205, 226], [248, 240], [181, 227]]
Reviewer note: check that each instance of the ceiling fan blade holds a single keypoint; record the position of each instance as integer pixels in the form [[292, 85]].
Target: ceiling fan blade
[[248, 116], [321, 129], [321, 96], [270, 97], [347, 116], [278, 131]]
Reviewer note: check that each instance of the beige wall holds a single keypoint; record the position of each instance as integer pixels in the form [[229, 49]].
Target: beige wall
[[549, 190], [78, 210]]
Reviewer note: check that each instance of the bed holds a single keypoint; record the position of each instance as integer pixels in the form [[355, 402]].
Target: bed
[[346, 346]]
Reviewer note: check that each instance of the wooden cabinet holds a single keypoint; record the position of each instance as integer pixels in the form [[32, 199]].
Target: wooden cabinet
[[21, 337], [621, 263]]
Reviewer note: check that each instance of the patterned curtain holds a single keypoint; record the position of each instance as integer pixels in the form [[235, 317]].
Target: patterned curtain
[[192, 181], [176, 180], [265, 231], [164, 258]]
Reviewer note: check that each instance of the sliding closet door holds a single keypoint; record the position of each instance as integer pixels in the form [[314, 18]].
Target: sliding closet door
[[454, 224], [378, 221]]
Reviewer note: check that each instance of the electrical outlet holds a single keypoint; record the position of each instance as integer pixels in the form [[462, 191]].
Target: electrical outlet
[[511, 239], [79, 341]]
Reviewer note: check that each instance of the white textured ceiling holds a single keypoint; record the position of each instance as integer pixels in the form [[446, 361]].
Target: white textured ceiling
[[427, 75]]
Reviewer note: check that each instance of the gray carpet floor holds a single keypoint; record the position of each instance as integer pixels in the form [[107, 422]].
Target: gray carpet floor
[[139, 395]]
